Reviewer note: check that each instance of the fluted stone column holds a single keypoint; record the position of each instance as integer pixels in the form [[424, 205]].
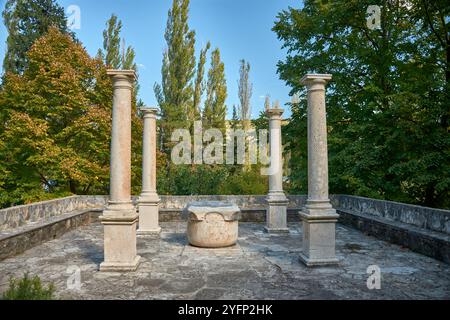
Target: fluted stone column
[[319, 217], [276, 217], [120, 217], [149, 199]]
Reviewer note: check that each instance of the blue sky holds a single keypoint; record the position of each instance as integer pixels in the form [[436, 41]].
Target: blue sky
[[240, 28]]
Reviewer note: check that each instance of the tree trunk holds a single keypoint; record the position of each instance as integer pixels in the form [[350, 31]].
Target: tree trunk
[[73, 188], [430, 199]]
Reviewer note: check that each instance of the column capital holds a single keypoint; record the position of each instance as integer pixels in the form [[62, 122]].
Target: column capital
[[122, 78], [149, 112], [275, 113], [316, 81], [122, 73]]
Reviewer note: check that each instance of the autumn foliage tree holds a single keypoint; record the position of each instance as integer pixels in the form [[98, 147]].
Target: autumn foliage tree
[[55, 123]]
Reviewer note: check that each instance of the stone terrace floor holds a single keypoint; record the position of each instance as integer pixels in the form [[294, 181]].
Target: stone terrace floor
[[261, 267]]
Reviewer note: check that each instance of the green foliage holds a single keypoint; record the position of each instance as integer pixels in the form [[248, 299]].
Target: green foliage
[[115, 54], [175, 93], [245, 91], [235, 121], [295, 139], [189, 180], [128, 59], [26, 21], [199, 84], [28, 288], [111, 43], [388, 104], [216, 93], [248, 182], [262, 122], [209, 180]]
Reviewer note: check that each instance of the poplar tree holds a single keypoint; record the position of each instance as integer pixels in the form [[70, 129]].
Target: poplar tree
[[245, 92], [199, 85], [235, 118], [111, 43], [245, 89], [267, 103], [215, 109], [115, 52], [175, 93]]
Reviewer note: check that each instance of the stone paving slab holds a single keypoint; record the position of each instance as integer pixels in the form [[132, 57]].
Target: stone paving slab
[[235, 250], [263, 266]]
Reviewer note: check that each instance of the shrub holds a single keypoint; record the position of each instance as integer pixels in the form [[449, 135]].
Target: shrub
[[28, 288]]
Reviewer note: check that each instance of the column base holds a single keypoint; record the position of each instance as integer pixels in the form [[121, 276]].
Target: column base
[[148, 219], [149, 198], [149, 233], [276, 215], [277, 196], [120, 266], [119, 241], [276, 231], [319, 208], [317, 262], [319, 238]]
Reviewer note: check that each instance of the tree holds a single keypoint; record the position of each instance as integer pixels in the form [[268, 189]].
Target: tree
[[195, 114], [175, 93], [128, 58], [115, 52], [112, 42], [26, 21], [435, 16], [267, 103], [215, 109], [388, 102], [235, 118], [245, 91], [56, 120]]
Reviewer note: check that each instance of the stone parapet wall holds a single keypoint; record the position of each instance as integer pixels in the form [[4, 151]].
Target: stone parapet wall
[[244, 202], [15, 217], [425, 218], [422, 217]]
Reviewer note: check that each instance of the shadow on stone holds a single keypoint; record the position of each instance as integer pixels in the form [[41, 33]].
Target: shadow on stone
[[93, 253], [175, 238]]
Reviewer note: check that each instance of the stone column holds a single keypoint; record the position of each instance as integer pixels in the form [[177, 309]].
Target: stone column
[[120, 217], [276, 217], [319, 217], [149, 199]]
